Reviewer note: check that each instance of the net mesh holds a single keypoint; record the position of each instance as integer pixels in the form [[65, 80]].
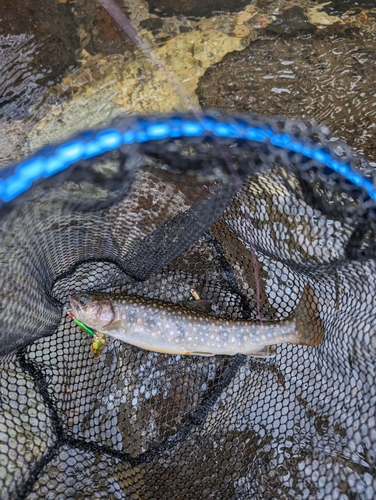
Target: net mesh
[[244, 224]]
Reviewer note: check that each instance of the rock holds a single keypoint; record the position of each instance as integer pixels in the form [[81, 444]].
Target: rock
[[327, 77], [290, 21], [137, 87], [37, 45]]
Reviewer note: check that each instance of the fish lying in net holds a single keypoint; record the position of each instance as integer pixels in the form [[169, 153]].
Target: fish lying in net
[[187, 329]]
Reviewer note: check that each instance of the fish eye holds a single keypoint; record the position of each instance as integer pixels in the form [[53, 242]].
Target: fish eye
[[83, 299]]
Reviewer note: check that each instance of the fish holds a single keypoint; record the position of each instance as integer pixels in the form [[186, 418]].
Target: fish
[[189, 329]]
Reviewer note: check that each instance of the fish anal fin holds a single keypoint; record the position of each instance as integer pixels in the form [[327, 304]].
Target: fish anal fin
[[309, 325], [264, 352]]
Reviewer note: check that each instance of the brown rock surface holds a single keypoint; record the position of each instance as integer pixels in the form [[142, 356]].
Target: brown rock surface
[[327, 76]]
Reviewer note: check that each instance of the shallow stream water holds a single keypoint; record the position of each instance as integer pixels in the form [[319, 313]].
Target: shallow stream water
[[67, 65]]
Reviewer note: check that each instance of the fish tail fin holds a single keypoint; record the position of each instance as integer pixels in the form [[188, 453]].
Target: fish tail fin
[[309, 325]]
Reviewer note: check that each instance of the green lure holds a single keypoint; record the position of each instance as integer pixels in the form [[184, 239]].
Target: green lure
[[99, 340], [84, 327]]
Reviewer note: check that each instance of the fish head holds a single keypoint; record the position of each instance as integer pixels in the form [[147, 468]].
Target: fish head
[[95, 310]]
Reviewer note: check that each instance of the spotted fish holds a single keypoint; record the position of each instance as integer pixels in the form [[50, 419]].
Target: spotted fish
[[187, 329]]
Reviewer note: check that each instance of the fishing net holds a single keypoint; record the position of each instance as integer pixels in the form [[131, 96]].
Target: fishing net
[[243, 210]]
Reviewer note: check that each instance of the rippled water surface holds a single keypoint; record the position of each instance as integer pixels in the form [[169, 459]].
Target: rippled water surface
[[67, 65]]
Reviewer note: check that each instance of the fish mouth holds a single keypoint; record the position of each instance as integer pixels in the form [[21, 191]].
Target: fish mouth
[[75, 306]]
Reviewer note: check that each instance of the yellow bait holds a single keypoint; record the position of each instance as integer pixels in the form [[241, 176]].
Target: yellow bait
[[99, 342]]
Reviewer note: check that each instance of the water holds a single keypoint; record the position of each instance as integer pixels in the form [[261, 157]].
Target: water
[[73, 67]]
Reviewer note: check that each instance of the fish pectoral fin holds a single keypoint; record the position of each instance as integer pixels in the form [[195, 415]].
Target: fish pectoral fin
[[113, 326], [201, 305], [264, 352]]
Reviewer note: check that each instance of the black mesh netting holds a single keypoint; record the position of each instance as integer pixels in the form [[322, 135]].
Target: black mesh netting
[[245, 226]]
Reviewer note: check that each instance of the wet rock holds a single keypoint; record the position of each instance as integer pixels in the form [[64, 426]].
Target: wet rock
[[153, 24], [320, 18], [327, 76], [100, 33], [196, 8], [37, 45], [338, 7], [291, 21], [134, 87]]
